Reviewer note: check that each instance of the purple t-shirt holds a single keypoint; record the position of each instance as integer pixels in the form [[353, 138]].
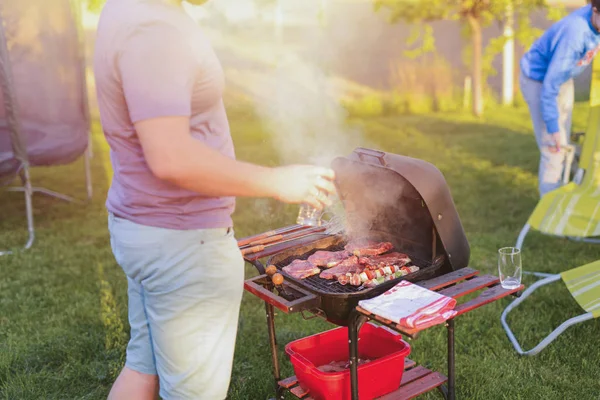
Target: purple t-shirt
[[153, 60]]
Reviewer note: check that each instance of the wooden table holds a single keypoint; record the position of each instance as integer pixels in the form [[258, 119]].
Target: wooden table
[[416, 379]]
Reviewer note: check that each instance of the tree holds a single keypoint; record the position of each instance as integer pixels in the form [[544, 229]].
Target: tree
[[508, 56], [94, 5], [474, 14]]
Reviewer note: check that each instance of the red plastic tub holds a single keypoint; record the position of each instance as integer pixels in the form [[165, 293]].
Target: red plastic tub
[[376, 378]]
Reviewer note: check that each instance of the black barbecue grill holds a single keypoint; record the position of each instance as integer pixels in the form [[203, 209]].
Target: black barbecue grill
[[336, 301], [386, 197]]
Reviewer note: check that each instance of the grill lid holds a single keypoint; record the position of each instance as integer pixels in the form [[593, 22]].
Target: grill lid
[[404, 200]]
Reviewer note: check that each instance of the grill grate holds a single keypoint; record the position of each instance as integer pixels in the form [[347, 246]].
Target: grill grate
[[334, 287]]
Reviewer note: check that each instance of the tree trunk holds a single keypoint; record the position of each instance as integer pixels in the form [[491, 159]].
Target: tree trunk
[[433, 87], [477, 65], [516, 75], [508, 63]]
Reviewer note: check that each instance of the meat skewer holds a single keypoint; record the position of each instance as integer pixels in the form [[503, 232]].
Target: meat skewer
[[374, 282], [378, 276], [261, 236], [294, 236]]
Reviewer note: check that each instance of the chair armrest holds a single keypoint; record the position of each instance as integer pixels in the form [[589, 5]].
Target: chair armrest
[[575, 136]]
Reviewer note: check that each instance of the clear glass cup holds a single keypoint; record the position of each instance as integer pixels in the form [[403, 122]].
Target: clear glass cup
[[509, 267], [309, 216]]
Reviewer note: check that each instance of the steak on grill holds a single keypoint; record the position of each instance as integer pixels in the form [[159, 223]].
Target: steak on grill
[[384, 260], [328, 259], [366, 247], [348, 266], [300, 269]]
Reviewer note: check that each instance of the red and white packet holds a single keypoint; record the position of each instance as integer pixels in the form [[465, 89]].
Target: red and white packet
[[411, 306]]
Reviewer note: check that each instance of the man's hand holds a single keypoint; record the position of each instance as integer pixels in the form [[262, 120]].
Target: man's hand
[[304, 184], [555, 147]]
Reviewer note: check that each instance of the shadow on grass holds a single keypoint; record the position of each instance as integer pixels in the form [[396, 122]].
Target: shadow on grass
[[62, 321]]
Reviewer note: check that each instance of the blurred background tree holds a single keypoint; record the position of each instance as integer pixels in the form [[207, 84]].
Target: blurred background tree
[[475, 15], [94, 5]]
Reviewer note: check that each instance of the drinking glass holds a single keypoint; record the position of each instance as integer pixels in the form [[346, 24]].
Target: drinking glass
[[309, 216], [509, 267]]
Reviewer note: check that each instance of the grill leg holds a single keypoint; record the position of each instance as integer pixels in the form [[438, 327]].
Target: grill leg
[[356, 321], [273, 344], [451, 370], [443, 391]]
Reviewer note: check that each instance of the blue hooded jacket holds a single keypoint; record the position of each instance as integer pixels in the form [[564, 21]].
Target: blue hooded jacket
[[561, 53]]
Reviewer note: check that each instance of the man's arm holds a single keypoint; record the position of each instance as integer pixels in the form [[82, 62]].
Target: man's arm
[[566, 55], [175, 156], [158, 69]]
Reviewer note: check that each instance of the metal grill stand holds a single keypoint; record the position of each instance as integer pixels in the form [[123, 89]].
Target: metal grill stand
[[417, 380]]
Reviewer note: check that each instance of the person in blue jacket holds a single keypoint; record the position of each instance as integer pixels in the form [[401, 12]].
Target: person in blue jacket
[[547, 70]]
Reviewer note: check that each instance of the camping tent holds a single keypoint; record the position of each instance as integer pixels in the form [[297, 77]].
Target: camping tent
[[44, 114]]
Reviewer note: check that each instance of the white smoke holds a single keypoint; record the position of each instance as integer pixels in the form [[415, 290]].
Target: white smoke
[[303, 113], [298, 101]]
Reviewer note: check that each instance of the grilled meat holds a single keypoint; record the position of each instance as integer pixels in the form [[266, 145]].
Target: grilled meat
[[375, 262], [356, 244], [340, 366], [301, 269], [348, 266], [366, 247], [328, 259]]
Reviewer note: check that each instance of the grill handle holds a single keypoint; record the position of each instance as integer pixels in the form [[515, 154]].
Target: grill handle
[[378, 155], [261, 285]]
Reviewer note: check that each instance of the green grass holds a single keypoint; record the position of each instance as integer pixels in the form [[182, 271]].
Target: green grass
[[63, 317]]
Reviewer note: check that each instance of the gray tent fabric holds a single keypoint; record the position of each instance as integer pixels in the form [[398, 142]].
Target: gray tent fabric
[[45, 119], [14, 140]]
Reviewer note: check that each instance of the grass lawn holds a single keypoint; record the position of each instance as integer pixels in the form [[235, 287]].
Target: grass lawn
[[63, 318]]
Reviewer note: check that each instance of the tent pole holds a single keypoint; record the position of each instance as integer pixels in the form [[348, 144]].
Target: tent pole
[[29, 206], [45, 191], [28, 191]]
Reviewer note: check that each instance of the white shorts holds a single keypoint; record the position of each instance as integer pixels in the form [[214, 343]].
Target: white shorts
[[185, 290]]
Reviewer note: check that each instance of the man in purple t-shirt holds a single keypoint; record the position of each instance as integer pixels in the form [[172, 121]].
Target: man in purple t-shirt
[[160, 87]]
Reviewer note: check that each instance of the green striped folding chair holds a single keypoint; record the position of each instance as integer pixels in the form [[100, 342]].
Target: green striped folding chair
[[584, 285], [573, 210]]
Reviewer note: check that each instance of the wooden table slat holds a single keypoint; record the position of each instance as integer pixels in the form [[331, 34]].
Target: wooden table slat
[[299, 392], [470, 286], [414, 374], [417, 387], [448, 279], [408, 332], [486, 297], [408, 364], [288, 382]]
